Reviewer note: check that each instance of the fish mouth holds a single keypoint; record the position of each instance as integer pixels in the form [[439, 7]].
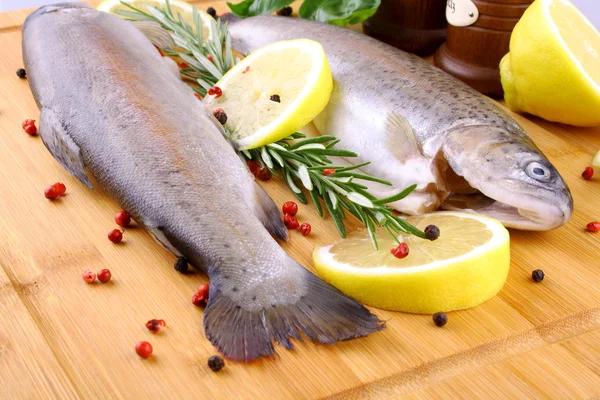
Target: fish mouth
[[515, 210]]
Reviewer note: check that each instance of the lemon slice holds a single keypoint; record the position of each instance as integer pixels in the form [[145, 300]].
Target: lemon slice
[[186, 10], [553, 68], [596, 161], [273, 92], [465, 266]]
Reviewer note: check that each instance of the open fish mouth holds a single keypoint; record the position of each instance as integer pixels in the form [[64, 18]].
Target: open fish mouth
[[526, 212]]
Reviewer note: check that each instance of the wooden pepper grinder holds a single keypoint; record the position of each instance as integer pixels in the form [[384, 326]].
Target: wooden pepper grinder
[[478, 37], [416, 26]]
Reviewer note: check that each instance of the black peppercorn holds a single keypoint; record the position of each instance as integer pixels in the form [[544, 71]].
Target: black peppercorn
[[432, 232], [216, 363], [21, 73], [212, 12], [275, 98], [440, 319], [537, 275], [220, 115], [181, 265], [285, 11]]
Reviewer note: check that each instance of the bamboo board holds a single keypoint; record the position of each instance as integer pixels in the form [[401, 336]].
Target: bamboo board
[[61, 338]]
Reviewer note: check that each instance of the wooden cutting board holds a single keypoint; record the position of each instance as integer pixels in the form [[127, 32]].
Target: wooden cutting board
[[62, 338]]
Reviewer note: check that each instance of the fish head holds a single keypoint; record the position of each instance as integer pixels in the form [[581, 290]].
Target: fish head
[[500, 172]]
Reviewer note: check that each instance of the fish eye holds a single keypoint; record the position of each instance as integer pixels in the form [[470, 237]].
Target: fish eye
[[537, 171]]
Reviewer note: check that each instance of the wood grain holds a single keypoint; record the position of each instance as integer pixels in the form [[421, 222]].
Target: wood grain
[[61, 338]]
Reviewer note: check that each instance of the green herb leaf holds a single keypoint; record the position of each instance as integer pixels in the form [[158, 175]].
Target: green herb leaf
[[250, 8], [338, 12]]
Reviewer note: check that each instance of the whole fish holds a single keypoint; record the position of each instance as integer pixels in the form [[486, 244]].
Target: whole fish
[[419, 125], [110, 104]]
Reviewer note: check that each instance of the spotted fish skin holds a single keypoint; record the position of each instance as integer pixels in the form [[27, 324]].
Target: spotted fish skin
[[418, 125], [112, 108]]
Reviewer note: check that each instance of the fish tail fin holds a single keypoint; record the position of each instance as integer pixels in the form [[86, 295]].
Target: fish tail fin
[[323, 314]]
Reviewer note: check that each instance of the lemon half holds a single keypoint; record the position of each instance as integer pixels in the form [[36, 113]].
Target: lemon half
[[178, 7], [467, 265], [553, 68], [274, 91]]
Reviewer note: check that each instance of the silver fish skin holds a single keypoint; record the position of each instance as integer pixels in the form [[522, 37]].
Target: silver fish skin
[[111, 106], [419, 125]]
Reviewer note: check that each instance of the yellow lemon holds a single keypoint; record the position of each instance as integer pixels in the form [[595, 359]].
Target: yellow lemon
[[273, 92], [465, 266], [553, 68]]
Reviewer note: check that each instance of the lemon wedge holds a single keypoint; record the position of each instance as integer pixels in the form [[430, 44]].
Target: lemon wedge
[[184, 9], [467, 265], [596, 161], [553, 68], [273, 92]]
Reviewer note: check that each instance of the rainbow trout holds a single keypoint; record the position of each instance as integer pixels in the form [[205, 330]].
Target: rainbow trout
[[111, 106], [419, 125]]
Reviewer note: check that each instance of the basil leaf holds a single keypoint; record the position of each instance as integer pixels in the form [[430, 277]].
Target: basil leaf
[[338, 12], [241, 9], [250, 8]]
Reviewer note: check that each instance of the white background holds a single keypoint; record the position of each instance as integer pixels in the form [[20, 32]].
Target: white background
[[591, 8]]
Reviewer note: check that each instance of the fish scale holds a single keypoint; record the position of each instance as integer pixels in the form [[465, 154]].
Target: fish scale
[[113, 108], [418, 125]]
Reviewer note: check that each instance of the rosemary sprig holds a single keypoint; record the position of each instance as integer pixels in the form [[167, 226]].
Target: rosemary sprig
[[300, 160]]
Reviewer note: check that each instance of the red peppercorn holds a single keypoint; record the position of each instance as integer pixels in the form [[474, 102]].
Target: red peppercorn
[[204, 289], [183, 65], [143, 349], [305, 229], [401, 251], [104, 275], [593, 226], [122, 219], [216, 91], [154, 325], [587, 173], [290, 207], [264, 174], [290, 221], [201, 298], [198, 96], [246, 69], [328, 171], [51, 192], [27, 122], [88, 276], [210, 58], [60, 188], [253, 166], [30, 128], [259, 171], [115, 236]]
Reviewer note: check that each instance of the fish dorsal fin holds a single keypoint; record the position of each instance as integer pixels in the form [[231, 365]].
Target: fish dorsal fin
[[266, 211], [61, 145], [159, 36], [159, 235], [402, 135]]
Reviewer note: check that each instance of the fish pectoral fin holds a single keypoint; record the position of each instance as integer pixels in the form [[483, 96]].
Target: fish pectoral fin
[[157, 35], [402, 137], [266, 211], [159, 235], [244, 324], [61, 145]]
